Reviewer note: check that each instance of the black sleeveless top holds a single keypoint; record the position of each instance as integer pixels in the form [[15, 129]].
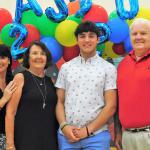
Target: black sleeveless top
[[2, 116], [35, 127]]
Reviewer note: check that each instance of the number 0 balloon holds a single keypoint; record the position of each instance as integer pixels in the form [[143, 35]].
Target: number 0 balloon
[[124, 14]]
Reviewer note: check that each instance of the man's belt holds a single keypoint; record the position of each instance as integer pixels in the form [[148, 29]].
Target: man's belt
[[147, 129]]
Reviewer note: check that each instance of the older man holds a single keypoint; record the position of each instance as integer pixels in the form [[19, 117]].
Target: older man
[[134, 90]]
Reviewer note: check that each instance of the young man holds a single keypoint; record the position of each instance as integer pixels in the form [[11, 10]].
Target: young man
[[86, 95], [133, 90]]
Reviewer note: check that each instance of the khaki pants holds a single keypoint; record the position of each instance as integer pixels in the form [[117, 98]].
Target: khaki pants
[[136, 141]]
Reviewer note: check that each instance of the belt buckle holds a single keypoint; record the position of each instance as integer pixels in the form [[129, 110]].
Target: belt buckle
[[132, 130], [135, 130], [147, 129]]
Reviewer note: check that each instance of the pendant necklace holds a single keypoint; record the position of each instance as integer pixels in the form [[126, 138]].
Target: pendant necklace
[[41, 82], [42, 92]]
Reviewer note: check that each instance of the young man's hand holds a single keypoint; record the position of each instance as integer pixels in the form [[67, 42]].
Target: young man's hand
[[80, 133], [68, 133]]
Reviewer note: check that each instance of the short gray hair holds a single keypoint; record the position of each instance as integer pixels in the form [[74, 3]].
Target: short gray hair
[[139, 20]]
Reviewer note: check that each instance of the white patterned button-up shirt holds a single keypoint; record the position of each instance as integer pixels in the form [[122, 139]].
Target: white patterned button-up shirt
[[84, 84]]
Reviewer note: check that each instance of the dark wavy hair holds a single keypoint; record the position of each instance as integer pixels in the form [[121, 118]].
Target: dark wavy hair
[[5, 52], [87, 26], [44, 48]]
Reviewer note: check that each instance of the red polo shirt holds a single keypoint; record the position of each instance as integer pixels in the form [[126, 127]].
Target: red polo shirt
[[134, 91]]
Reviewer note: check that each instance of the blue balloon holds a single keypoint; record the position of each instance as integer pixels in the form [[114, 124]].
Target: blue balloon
[[128, 45], [18, 11], [15, 48], [35, 7], [26, 7], [20, 7], [104, 30], [125, 14], [63, 11], [85, 5], [119, 30], [54, 47]]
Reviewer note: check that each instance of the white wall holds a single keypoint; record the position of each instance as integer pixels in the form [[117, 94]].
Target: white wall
[[109, 5]]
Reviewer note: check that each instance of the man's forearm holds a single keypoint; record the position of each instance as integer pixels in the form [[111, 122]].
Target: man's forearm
[[102, 118], [60, 112]]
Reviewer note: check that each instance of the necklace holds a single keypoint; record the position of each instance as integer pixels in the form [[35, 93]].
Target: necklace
[[38, 80], [42, 92], [41, 82]]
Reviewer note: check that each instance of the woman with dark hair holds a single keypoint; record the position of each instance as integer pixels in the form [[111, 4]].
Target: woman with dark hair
[[7, 87], [30, 119]]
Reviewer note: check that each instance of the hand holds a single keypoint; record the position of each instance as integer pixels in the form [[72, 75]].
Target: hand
[[68, 132], [9, 90], [10, 147], [118, 141], [80, 133]]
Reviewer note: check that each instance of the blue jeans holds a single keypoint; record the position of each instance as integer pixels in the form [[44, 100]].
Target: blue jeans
[[100, 141]]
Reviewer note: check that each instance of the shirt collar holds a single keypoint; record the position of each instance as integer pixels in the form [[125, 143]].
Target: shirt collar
[[90, 60], [132, 54]]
